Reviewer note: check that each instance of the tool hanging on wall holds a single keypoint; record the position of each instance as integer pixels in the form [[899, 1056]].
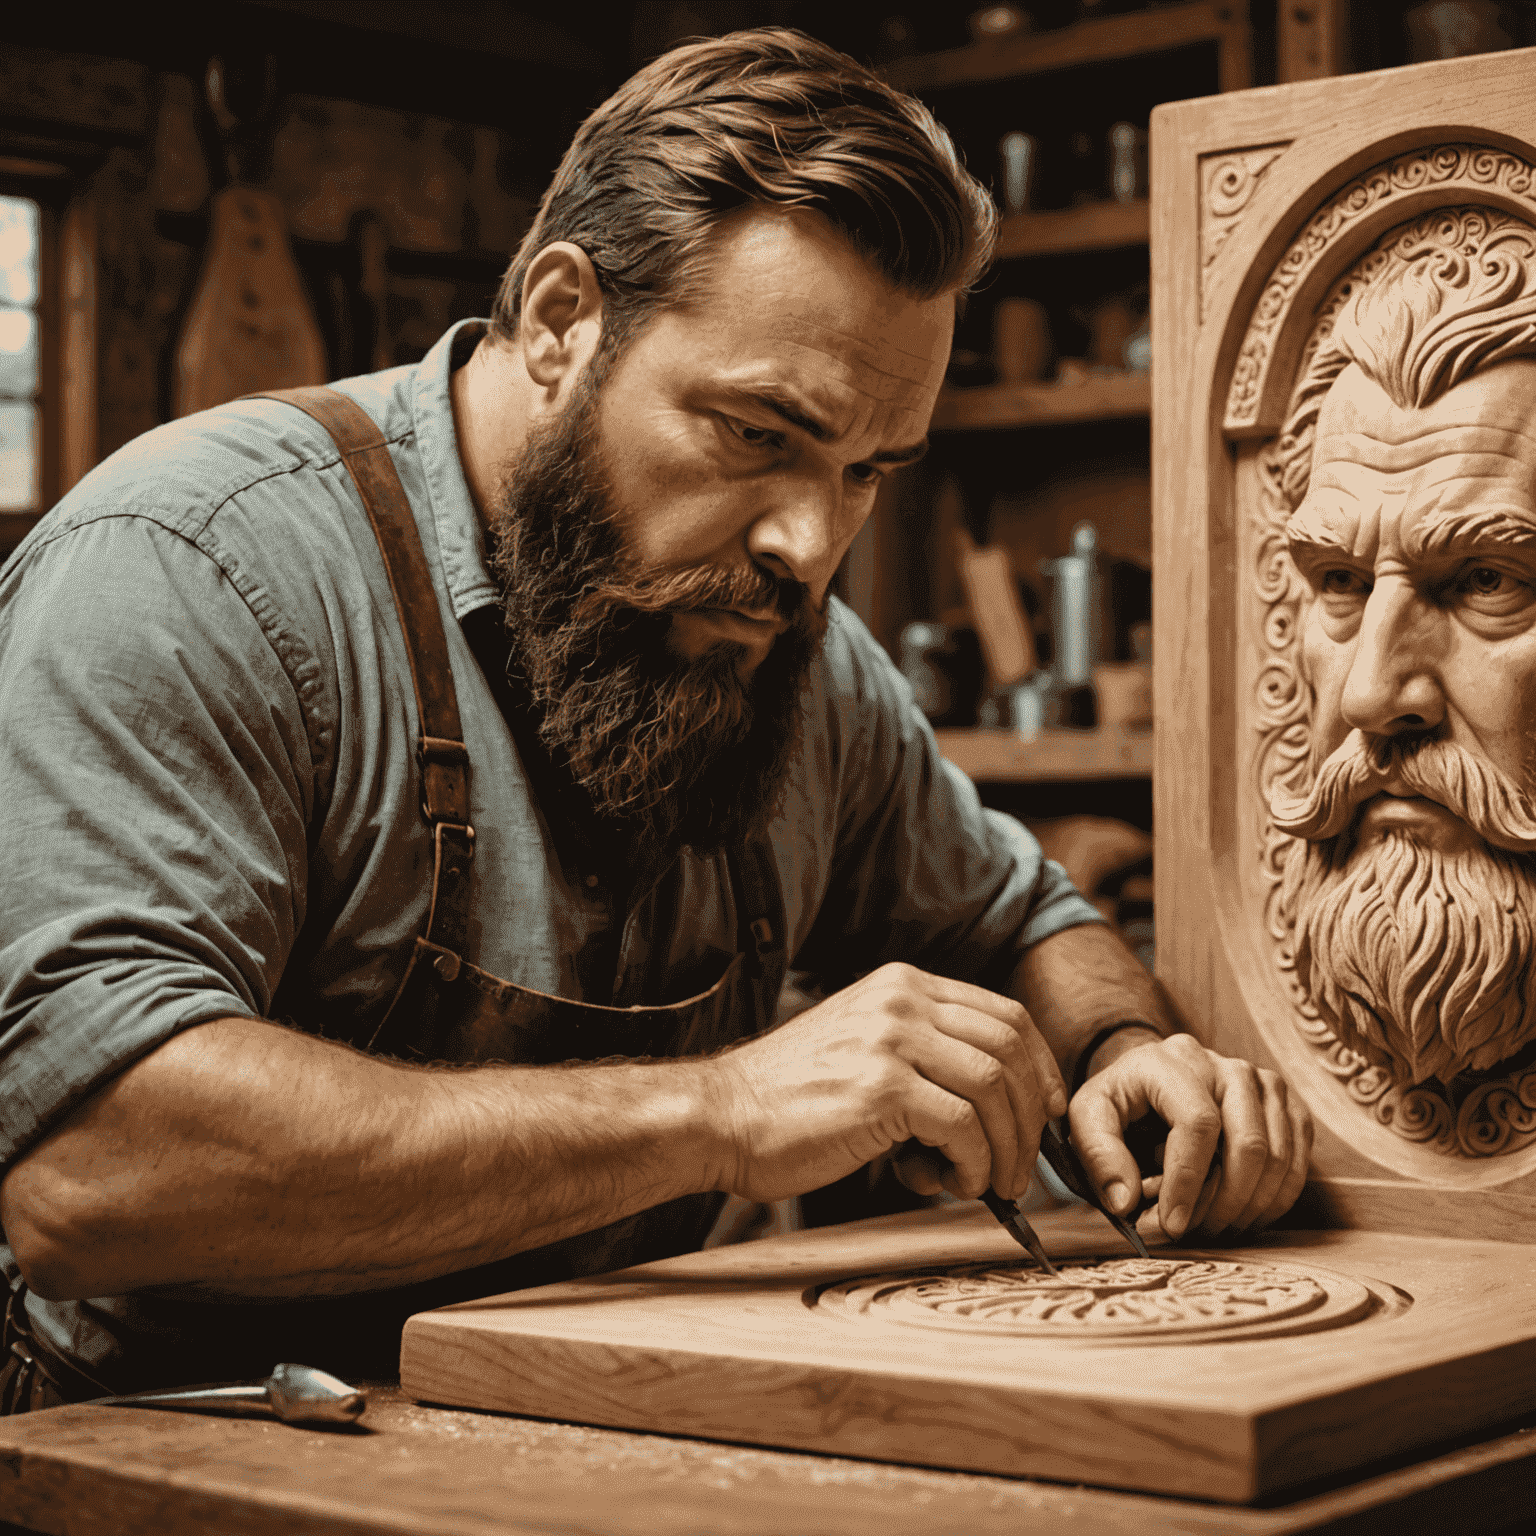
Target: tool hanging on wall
[[249, 326]]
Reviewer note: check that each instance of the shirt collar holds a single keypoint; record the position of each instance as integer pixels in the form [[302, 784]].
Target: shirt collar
[[460, 547]]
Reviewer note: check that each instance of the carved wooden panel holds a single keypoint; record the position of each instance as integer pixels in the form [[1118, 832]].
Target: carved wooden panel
[[922, 1338], [1189, 1298], [1344, 515], [1227, 184]]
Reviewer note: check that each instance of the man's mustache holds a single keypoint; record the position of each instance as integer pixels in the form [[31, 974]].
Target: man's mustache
[[1492, 804], [746, 587]]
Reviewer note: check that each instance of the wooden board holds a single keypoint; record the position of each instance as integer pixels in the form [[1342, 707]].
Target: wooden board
[[438, 1472], [737, 1344], [1264, 205]]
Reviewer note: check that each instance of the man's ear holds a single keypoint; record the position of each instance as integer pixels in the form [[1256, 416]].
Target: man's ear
[[561, 317]]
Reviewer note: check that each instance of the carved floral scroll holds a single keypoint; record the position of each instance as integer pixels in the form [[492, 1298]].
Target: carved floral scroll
[[1228, 182], [1450, 173]]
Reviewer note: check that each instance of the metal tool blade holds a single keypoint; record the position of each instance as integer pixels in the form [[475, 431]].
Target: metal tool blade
[[296, 1394], [1008, 1213], [1062, 1156]]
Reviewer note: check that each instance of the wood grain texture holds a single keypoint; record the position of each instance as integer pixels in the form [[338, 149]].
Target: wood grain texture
[[1212, 951], [723, 1345], [436, 1472]]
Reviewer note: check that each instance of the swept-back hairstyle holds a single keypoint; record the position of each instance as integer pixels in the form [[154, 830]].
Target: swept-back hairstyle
[[762, 117], [1439, 298]]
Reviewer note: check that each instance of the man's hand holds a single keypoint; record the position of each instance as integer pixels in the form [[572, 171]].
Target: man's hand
[[1209, 1102], [899, 1056]]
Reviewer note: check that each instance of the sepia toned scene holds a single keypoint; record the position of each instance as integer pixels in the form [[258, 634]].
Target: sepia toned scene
[[768, 769]]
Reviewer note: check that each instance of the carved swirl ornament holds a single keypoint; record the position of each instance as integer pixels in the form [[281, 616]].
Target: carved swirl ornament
[[1479, 1115], [1459, 170], [1228, 182], [1114, 1301]]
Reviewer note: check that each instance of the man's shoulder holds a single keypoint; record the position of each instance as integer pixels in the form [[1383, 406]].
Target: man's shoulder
[[183, 474]]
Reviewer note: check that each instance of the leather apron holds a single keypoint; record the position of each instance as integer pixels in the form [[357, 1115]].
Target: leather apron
[[447, 1009]]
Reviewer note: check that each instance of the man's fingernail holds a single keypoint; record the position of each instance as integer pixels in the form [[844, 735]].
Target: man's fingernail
[[1116, 1195], [1178, 1219]]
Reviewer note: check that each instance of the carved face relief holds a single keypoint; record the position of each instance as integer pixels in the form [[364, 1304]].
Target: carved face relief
[[1415, 903], [1397, 710], [1182, 1299]]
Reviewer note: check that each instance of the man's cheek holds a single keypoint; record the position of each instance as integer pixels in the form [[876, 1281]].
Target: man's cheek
[[1324, 669]]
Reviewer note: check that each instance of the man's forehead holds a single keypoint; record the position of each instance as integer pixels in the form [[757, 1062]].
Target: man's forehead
[[876, 364], [1473, 449]]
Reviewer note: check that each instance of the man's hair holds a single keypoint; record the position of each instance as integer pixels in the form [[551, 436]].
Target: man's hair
[[1436, 300], [767, 117]]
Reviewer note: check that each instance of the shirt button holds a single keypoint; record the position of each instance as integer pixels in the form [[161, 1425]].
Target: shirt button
[[591, 881]]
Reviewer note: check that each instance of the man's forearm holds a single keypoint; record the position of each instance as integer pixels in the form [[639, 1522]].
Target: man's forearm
[[242, 1158], [1080, 984]]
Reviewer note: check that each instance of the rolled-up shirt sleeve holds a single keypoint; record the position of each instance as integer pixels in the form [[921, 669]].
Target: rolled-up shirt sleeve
[[924, 873], [155, 785]]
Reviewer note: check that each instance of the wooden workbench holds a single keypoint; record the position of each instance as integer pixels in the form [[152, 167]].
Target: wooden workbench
[[432, 1472]]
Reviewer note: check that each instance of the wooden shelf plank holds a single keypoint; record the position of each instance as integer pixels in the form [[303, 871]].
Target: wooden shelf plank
[[1030, 405], [1001, 757], [1086, 42], [1092, 227]]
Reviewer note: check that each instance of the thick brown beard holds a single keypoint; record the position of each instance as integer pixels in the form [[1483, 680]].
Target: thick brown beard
[[1418, 960], [670, 750]]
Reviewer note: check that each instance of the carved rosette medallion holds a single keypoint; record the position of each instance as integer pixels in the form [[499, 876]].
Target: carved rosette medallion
[[1183, 1300], [1454, 172], [1478, 1114], [1227, 183]]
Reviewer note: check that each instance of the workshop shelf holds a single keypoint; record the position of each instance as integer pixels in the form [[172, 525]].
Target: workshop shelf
[[1060, 231], [1002, 757], [1086, 42], [1031, 405]]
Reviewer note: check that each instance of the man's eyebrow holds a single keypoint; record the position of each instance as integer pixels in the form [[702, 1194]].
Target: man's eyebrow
[[901, 455], [1475, 527], [786, 408]]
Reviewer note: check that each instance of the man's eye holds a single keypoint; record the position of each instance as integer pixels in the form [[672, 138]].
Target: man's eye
[[1485, 581], [1340, 583], [865, 474], [1487, 590], [755, 437]]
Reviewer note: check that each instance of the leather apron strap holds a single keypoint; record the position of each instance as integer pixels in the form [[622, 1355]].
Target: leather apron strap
[[441, 755]]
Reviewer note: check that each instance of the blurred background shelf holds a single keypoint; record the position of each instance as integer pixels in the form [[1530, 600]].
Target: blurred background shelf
[[1087, 42], [1029, 405], [1001, 757], [1093, 227]]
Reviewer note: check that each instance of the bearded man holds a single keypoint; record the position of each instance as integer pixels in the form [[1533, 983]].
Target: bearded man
[[1411, 450], [547, 766]]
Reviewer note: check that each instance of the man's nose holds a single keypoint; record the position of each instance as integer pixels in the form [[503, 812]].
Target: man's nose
[[802, 534], [1393, 688]]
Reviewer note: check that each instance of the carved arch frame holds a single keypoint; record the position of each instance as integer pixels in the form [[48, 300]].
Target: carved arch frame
[[1263, 348]]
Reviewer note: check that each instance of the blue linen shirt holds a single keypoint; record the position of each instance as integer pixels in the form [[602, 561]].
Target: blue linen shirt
[[210, 793]]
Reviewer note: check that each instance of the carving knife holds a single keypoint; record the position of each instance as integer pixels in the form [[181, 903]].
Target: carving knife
[[296, 1394], [1068, 1166], [1012, 1218]]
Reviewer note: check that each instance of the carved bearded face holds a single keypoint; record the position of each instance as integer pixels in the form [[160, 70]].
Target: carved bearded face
[[1412, 885]]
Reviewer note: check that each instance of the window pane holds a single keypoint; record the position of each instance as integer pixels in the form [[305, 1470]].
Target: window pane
[[18, 352], [18, 250], [18, 457]]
